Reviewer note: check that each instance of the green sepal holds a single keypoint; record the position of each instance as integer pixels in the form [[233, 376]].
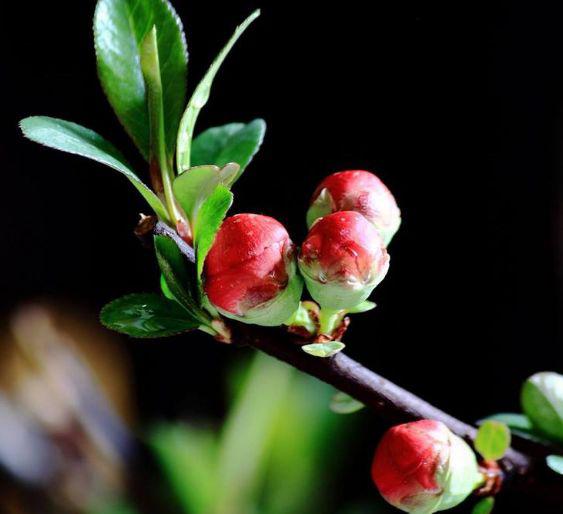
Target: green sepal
[[362, 307], [460, 477], [337, 295], [277, 311], [305, 317]]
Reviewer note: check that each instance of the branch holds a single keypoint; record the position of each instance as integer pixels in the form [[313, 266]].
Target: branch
[[524, 463], [525, 471]]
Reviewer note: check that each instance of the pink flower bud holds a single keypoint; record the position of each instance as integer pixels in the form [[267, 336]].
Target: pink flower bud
[[360, 191], [342, 260], [250, 273], [422, 467]]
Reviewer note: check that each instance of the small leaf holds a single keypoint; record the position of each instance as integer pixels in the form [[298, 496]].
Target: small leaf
[[484, 506], [200, 96], [519, 425], [147, 315], [235, 142], [343, 403], [194, 186], [512, 420], [493, 439], [323, 349], [211, 215], [362, 307], [120, 26], [178, 279], [78, 140], [555, 462]]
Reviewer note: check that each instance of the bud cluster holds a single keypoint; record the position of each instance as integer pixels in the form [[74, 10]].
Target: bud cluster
[[251, 272]]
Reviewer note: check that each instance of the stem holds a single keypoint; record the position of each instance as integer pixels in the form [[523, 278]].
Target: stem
[[523, 464], [159, 160]]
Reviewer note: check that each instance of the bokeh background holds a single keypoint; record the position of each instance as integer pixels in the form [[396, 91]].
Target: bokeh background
[[456, 106]]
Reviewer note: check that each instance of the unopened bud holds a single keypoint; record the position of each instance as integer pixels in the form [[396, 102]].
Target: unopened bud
[[422, 467], [342, 259], [360, 191], [250, 271]]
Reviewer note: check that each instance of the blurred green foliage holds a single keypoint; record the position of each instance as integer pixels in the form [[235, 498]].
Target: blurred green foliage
[[275, 453]]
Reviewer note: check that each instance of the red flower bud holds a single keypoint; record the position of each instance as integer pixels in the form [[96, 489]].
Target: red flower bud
[[342, 260], [422, 467], [250, 271], [359, 191]]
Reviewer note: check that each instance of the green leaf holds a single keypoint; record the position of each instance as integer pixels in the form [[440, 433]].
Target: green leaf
[[200, 96], [555, 462], [165, 289], [120, 26], [343, 403], [235, 142], [484, 506], [512, 420], [493, 439], [147, 315], [211, 215], [519, 425], [542, 402], [323, 349], [75, 139], [178, 279]]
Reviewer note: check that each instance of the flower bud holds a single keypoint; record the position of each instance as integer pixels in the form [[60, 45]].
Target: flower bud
[[542, 402], [422, 467], [360, 191], [342, 260], [250, 272]]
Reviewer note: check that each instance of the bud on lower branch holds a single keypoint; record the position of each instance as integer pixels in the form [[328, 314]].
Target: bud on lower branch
[[250, 271], [359, 191], [342, 260], [422, 467]]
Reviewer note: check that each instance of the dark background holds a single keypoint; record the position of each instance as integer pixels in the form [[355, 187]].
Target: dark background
[[456, 106]]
